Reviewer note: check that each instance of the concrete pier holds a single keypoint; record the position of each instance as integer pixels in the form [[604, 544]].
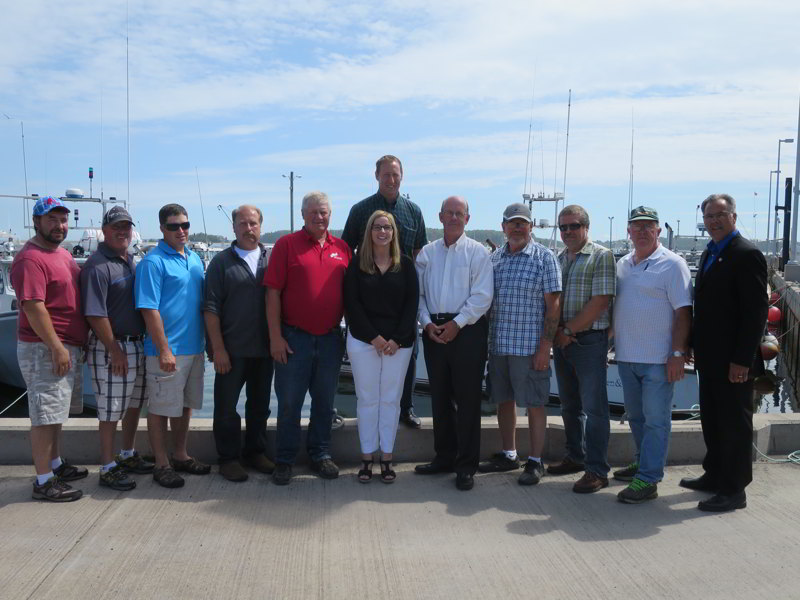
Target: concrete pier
[[417, 538]]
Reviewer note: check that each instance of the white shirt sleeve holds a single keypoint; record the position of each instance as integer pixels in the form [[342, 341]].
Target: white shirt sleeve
[[481, 276], [423, 314]]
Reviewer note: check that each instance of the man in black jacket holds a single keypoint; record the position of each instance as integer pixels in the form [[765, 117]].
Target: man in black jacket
[[730, 314]]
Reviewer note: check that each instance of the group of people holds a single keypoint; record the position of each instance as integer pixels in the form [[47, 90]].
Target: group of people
[[256, 314]]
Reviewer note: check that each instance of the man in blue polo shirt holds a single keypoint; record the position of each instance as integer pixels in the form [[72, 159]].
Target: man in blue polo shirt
[[169, 292]]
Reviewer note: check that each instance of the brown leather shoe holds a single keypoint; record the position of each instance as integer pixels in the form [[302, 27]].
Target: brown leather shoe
[[233, 471], [590, 483], [259, 462], [565, 467]]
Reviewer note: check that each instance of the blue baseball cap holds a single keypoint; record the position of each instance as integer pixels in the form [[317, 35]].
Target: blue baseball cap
[[46, 204]]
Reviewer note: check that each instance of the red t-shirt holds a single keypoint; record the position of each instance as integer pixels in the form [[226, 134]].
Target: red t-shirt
[[51, 276], [310, 277]]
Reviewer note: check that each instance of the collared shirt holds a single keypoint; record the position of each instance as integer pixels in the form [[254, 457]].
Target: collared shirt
[[714, 249], [236, 296], [107, 282], [407, 215], [457, 279], [53, 277], [172, 284], [309, 277], [521, 280], [648, 294], [592, 273]]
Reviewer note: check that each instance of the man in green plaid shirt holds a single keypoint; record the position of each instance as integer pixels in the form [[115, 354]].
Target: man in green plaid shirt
[[580, 350], [412, 237]]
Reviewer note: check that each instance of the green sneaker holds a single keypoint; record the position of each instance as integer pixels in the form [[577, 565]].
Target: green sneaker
[[638, 491], [627, 473]]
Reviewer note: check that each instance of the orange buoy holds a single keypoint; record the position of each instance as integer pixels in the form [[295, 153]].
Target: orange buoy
[[769, 347], [774, 314]]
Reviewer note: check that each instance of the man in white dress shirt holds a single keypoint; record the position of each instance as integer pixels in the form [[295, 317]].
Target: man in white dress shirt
[[456, 286]]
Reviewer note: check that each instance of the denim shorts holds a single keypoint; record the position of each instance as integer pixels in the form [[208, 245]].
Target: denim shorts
[[514, 378]]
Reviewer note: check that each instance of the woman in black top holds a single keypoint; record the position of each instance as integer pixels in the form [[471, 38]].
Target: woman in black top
[[381, 295]]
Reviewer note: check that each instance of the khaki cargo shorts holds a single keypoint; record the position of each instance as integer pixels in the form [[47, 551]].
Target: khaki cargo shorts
[[51, 399], [169, 393]]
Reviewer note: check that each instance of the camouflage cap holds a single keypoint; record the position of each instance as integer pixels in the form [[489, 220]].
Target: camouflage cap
[[643, 213]]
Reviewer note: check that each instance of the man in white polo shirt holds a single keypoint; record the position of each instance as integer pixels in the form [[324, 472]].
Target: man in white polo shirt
[[652, 320]]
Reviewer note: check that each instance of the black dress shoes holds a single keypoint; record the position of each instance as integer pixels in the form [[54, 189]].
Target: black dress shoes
[[700, 484], [465, 481], [432, 468], [409, 419], [723, 502]]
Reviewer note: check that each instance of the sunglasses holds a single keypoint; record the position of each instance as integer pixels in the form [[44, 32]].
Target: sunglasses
[[176, 226], [570, 227]]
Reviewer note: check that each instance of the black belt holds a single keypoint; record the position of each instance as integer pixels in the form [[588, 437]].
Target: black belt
[[129, 338], [589, 331], [443, 317]]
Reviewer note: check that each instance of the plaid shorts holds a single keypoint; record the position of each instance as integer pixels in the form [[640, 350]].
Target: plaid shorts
[[115, 393], [51, 399]]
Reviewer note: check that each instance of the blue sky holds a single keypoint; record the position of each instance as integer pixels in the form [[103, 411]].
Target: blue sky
[[246, 91]]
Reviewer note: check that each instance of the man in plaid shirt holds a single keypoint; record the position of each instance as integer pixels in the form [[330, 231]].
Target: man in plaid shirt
[[523, 321], [581, 350]]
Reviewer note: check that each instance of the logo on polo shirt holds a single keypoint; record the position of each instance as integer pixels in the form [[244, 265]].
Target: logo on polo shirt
[[335, 255]]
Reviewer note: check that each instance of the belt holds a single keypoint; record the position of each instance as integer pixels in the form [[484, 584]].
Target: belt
[[129, 338], [589, 331], [443, 316]]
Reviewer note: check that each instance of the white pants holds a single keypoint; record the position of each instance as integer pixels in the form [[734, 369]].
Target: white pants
[[379, 382]]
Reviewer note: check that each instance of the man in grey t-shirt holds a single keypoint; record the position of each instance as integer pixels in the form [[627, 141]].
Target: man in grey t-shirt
[[115, 352]]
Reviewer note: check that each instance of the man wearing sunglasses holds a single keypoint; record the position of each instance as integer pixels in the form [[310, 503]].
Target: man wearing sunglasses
[[580, 353], [169, 292], [652, 319]]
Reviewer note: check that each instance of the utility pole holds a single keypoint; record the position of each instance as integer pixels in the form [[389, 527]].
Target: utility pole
[[291, 177], [610, 235]]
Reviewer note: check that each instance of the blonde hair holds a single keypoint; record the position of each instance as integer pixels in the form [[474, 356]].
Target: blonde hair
[[366, 260]]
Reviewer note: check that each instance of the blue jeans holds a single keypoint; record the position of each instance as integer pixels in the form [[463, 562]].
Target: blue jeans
[[581, 370], [313, 367], [648, 403]]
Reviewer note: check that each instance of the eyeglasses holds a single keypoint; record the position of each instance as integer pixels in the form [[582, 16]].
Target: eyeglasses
[[570, 227], [122, 226], [716, 216], [453, 214], [382, 228], [176, 226], [641, 227]]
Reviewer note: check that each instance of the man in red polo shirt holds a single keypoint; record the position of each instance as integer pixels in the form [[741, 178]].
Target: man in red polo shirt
[[304, 308]]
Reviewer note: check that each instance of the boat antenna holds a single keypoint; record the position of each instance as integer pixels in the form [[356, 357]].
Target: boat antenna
[[566, 155], [101, 143], [128, 101], [525, 188], [202, 212], [630, 181]]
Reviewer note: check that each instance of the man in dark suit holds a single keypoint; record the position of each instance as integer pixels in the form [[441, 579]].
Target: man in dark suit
[[730, 314]]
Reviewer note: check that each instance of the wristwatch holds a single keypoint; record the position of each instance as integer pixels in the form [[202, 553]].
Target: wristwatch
[[568, 332], [678, 353]]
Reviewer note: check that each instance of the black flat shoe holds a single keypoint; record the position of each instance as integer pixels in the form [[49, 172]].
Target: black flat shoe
[[432, 469], [465, 481], [409, 419], [699, 484], [723, 503]]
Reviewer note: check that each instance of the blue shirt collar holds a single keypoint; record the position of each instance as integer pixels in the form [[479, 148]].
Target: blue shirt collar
[[165, 247], [717, 248]]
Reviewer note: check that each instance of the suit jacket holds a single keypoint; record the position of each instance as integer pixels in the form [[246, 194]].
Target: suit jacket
[[730, 308]]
